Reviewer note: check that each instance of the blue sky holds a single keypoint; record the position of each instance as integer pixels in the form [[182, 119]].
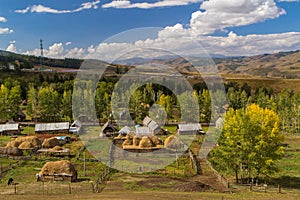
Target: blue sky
[[76, 28]]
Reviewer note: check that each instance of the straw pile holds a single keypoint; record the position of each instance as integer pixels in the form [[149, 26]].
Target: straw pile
[[58, 167], [26, 145], [30, 142], [136, 140], [12, 144], [3, 150], [57, 148], [127, 142], [172, 142], [146, 142], [156, 140], [14, 151], [50, 142]]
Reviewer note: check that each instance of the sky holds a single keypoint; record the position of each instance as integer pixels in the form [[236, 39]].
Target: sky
[[80, 28]]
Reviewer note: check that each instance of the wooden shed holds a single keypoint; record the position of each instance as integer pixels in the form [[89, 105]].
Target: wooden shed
[[10, 129], [152, 125], [62, 127], [108, 130], [189, 129]]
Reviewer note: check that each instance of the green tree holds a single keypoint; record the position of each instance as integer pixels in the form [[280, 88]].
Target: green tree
[[249, 143], [49, 104], [32, 103], [66, 106]]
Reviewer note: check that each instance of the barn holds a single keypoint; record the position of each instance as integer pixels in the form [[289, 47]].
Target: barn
[[189, 129], [62, 127], [10, 129], [152, 125]]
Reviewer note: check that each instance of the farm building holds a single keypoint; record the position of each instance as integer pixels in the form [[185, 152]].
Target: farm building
[[189, 129], [154, 127], [108, 130], [76, 127], [59, 170], [142, 131], [125, 130], [62, 127], [9, 129]]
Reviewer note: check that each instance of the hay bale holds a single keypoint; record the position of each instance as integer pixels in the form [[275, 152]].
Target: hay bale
[[136, 140], [127, 142], [12, 144], [50, 142], [26, 145], [146, 142], [172, 142], [14, 151], [57, 148], [3, 150], [59, 167], [33, 140], [156, 140]]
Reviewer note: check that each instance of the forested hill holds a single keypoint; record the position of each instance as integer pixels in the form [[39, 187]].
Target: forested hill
[[282, 64], [28, 62]]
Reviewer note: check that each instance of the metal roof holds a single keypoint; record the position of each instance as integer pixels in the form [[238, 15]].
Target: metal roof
[[189, 128], [142, 131], [52, 126], [147, 121], [9, 127]]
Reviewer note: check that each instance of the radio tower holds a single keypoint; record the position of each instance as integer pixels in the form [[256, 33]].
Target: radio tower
[[42, 51]]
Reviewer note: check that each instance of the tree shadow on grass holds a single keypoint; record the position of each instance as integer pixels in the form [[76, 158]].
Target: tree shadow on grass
[[286, 181]]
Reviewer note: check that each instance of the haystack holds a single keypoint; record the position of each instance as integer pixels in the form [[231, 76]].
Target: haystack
[[57, 148], [3, 150], [156, 140], [172, 142], [146, 142], [14, 151], [127, 142], [26, 145], [50, 142], [33, 140], [136, 140], [12, 144], [63, 167]]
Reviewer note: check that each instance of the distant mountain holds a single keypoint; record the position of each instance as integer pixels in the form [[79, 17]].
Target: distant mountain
[[282, 64]]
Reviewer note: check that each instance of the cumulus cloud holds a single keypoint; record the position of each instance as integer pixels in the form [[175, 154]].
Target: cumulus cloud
[[44, 9], [219, 15], [59, 50], [6, 31], [11, 47], [147, 5], [3, 19]]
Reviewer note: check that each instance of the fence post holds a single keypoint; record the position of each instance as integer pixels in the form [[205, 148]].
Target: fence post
[[279, 189], [15, 188], [1, 168], [70, 192]]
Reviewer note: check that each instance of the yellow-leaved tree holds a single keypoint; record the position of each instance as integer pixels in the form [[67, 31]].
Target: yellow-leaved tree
[[249, 143]]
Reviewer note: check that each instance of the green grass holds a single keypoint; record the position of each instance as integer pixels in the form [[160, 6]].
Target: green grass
[[4, 140]]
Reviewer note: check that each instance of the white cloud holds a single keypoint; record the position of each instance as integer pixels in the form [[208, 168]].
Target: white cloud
[[11, 47], [3, 19], [58, 50], [44, 9], [288, 0], [220, 14], [5, 31], [146, 5], [68, 43]]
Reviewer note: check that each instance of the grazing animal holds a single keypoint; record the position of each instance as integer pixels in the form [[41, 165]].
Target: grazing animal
[[10, 181]]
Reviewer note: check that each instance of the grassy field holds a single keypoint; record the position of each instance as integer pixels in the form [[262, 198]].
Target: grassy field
[[161, 184]]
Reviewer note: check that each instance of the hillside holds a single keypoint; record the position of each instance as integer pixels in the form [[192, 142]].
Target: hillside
[[278, 65]]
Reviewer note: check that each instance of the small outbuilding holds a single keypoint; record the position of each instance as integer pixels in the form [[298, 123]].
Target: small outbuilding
[[190, 129], [10, 129], [108, 130], [59, 170], [62, 127], [152, 125]]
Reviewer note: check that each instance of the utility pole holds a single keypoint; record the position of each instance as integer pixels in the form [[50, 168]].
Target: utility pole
[[42, 52]]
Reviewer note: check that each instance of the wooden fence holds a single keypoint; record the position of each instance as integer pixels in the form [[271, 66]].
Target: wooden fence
[[8, 167], [221, 179], [194, 162], [96, 186]]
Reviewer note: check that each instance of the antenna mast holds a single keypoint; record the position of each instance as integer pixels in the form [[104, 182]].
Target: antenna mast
[[42, 51]]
